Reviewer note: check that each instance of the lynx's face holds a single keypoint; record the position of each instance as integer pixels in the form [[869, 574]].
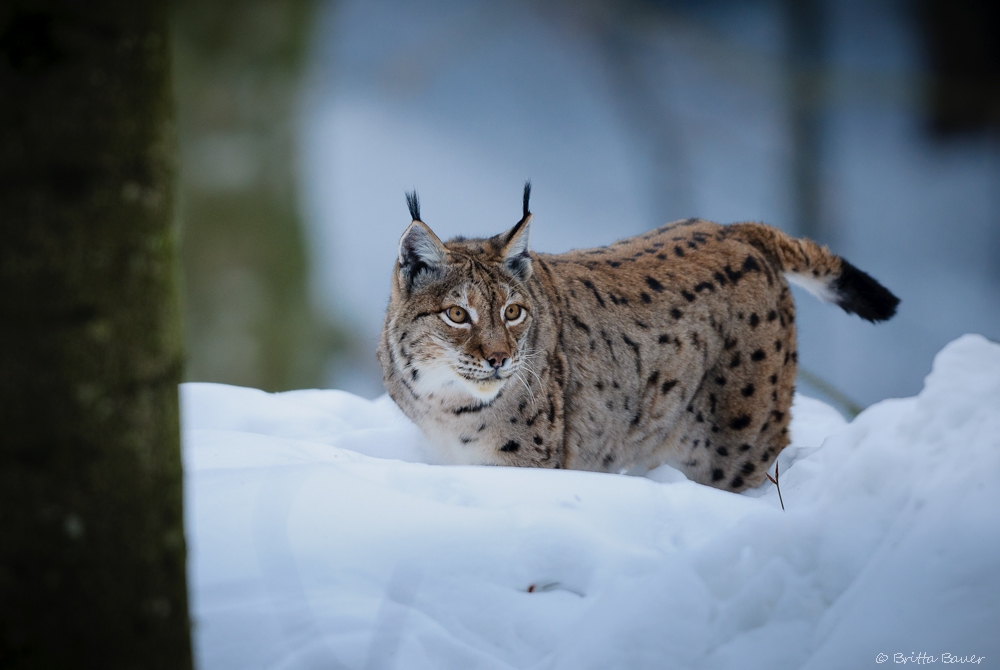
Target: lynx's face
[[459, 317], [471, 337]]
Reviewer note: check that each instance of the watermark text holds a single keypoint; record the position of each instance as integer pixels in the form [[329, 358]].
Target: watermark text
[[923, 658]]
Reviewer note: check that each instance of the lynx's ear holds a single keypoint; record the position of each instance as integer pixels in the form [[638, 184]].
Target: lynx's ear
[[516, 259], [421, 254]]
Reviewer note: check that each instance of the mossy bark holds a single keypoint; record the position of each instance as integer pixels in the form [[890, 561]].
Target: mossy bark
[[92, 551]]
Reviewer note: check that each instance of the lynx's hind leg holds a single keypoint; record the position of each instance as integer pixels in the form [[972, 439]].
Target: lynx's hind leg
[[737, 423]]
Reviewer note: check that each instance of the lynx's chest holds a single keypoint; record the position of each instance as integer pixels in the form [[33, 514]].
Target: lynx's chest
[[452, 444], [463, 430]]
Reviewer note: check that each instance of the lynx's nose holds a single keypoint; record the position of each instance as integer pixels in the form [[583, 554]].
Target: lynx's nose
[[497, 359]]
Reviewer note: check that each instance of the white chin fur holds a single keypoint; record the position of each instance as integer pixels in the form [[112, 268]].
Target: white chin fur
[[444, 380], [485, 390]]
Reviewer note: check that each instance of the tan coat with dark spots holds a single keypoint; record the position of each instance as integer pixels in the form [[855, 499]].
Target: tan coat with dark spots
[[677, 346]]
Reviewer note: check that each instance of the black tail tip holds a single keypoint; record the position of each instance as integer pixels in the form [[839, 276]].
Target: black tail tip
[[858, 293], [413, 204]]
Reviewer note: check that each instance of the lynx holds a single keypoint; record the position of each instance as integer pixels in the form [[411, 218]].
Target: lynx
[[676, 346]]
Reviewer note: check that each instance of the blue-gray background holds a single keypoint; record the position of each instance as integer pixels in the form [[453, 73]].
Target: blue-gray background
[[848, 121]]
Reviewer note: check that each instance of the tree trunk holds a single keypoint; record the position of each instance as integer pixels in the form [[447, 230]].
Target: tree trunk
[[92, 552]]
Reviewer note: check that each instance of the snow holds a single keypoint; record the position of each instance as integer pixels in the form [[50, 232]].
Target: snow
[[321, 537]]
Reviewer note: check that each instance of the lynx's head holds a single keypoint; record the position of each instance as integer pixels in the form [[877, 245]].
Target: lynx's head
[[459, 316]]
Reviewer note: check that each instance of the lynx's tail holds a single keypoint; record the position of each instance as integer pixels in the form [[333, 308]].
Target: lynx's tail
[[828, 277]]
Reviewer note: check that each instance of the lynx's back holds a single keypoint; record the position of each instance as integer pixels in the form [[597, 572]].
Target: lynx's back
[[677, 346]]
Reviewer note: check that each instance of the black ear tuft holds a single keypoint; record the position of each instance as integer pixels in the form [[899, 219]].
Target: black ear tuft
[[413, 204], [527, 196], [858, 293]]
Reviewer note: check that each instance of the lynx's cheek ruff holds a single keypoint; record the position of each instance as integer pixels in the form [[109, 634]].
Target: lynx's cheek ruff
[[677, 346]]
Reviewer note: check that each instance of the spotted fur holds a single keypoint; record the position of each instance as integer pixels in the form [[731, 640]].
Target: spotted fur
[[677, 346]]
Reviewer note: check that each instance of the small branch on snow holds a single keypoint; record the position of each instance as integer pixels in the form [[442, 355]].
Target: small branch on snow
[[774, 480]]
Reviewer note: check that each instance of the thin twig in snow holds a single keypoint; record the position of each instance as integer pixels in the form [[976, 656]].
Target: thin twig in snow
[[774, 480]]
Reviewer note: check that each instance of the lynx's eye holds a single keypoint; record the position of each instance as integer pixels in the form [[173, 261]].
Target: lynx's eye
[[514, 314], [456, 315]]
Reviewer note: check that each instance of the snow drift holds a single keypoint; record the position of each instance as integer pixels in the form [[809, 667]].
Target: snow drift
[[321, 537]]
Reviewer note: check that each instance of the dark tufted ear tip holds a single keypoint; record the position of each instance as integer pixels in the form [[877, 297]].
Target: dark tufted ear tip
[[527, 196], [413, 204]]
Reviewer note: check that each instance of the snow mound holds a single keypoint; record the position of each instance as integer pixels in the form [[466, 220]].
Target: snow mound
[[321, 538]]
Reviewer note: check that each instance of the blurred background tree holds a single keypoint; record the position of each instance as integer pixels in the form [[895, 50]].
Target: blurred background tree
[[962, 38], [238, 68], [92, 549]]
